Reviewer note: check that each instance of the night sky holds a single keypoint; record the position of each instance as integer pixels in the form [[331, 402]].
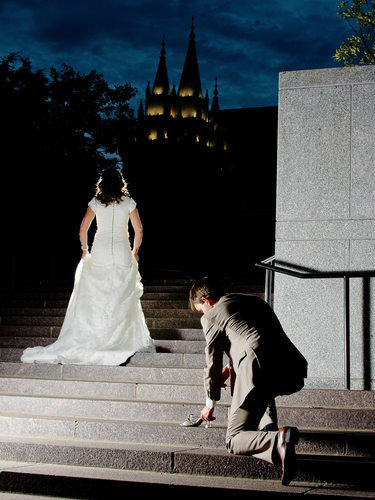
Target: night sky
[[242, 43]]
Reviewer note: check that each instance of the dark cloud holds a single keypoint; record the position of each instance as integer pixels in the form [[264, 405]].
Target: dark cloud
[[244, 44]]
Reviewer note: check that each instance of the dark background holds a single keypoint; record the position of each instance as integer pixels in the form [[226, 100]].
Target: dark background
[[203, 212]]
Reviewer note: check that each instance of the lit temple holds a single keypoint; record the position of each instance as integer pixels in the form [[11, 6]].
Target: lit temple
[[183, 115]]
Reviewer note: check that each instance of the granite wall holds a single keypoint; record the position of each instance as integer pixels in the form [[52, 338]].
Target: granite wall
[[325, 217]]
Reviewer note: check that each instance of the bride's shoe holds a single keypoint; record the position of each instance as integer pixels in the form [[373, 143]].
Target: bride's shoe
[[192, 421], [195, 421]]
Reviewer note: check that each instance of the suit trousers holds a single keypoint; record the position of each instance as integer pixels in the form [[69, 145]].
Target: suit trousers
[[244, 434]]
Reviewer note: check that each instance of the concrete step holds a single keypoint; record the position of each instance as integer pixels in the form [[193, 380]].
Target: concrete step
[[58, 303], [329, 398], [146, 372], [177, 334], [83, 482], [139, 391], [113, 399], [105, 408], [28, 378], [183, 346], [29, 331], [162, 403], [54, 331], [323, 442], [114, 430], [169, 285], [348, 471], [137, 374], [152, 297], [158, 359], [191, 374], [152, 322], [153, 312], [156, 294], [67, 482], [165, 304]]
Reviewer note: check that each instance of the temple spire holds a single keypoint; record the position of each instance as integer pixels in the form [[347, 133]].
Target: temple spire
[[141, 112], [161, 83], [192, 34], [215, 100], [190, 82]]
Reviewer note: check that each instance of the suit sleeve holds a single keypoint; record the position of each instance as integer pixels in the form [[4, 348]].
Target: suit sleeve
[[214, 359]]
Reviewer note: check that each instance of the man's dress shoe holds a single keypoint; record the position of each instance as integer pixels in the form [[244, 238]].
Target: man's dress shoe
[[287, 438]]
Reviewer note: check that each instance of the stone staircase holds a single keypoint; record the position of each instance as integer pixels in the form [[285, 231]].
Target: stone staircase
[[84, 431]]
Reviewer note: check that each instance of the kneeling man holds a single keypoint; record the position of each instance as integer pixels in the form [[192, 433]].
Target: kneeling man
[[264, 364]]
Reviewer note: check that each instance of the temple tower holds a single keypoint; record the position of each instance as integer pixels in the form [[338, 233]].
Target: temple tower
[[191, 102], [181, 116], [157, 100]]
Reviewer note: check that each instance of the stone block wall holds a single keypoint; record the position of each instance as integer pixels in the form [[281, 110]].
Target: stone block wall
[[325, 217]]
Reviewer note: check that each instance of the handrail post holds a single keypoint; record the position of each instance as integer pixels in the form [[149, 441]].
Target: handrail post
[[267, 287], [268, 284], [347, 331]]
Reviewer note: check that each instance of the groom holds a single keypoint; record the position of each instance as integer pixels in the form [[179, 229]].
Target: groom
[[265, 363]]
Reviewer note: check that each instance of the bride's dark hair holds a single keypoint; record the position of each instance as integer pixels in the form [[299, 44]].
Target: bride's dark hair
[[111, 187]]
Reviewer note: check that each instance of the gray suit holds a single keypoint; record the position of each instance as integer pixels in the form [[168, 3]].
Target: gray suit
[[265, 362]]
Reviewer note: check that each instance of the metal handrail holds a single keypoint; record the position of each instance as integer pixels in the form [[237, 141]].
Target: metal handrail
[[271, 265]]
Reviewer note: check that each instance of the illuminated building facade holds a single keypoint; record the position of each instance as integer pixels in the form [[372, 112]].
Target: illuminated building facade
[[183, 115]]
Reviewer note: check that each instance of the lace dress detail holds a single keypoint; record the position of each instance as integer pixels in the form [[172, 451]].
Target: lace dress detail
[[104, 322]]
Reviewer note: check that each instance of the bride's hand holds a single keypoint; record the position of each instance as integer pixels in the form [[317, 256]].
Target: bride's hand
[[84, 253], [135, 255]]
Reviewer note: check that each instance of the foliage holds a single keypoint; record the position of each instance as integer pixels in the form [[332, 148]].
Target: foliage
[[64, 118], [360, 47]]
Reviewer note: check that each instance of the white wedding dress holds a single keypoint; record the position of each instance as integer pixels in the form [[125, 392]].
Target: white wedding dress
[[104, 322]]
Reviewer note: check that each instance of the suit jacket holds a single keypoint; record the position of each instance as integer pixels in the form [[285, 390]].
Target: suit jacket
[[246, 328]]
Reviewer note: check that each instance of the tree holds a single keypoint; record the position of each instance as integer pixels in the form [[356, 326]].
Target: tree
[[61, 116], [360, 47]]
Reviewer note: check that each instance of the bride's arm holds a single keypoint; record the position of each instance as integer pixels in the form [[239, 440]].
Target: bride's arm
[[85, 224], [138, 231]]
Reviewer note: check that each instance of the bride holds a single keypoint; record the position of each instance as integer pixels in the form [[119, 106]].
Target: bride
[[104, 322]]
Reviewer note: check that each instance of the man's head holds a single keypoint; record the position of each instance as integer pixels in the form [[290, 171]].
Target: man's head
[[204, 294]]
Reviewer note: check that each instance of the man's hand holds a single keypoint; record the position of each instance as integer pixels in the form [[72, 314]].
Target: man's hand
[[206, 413]]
